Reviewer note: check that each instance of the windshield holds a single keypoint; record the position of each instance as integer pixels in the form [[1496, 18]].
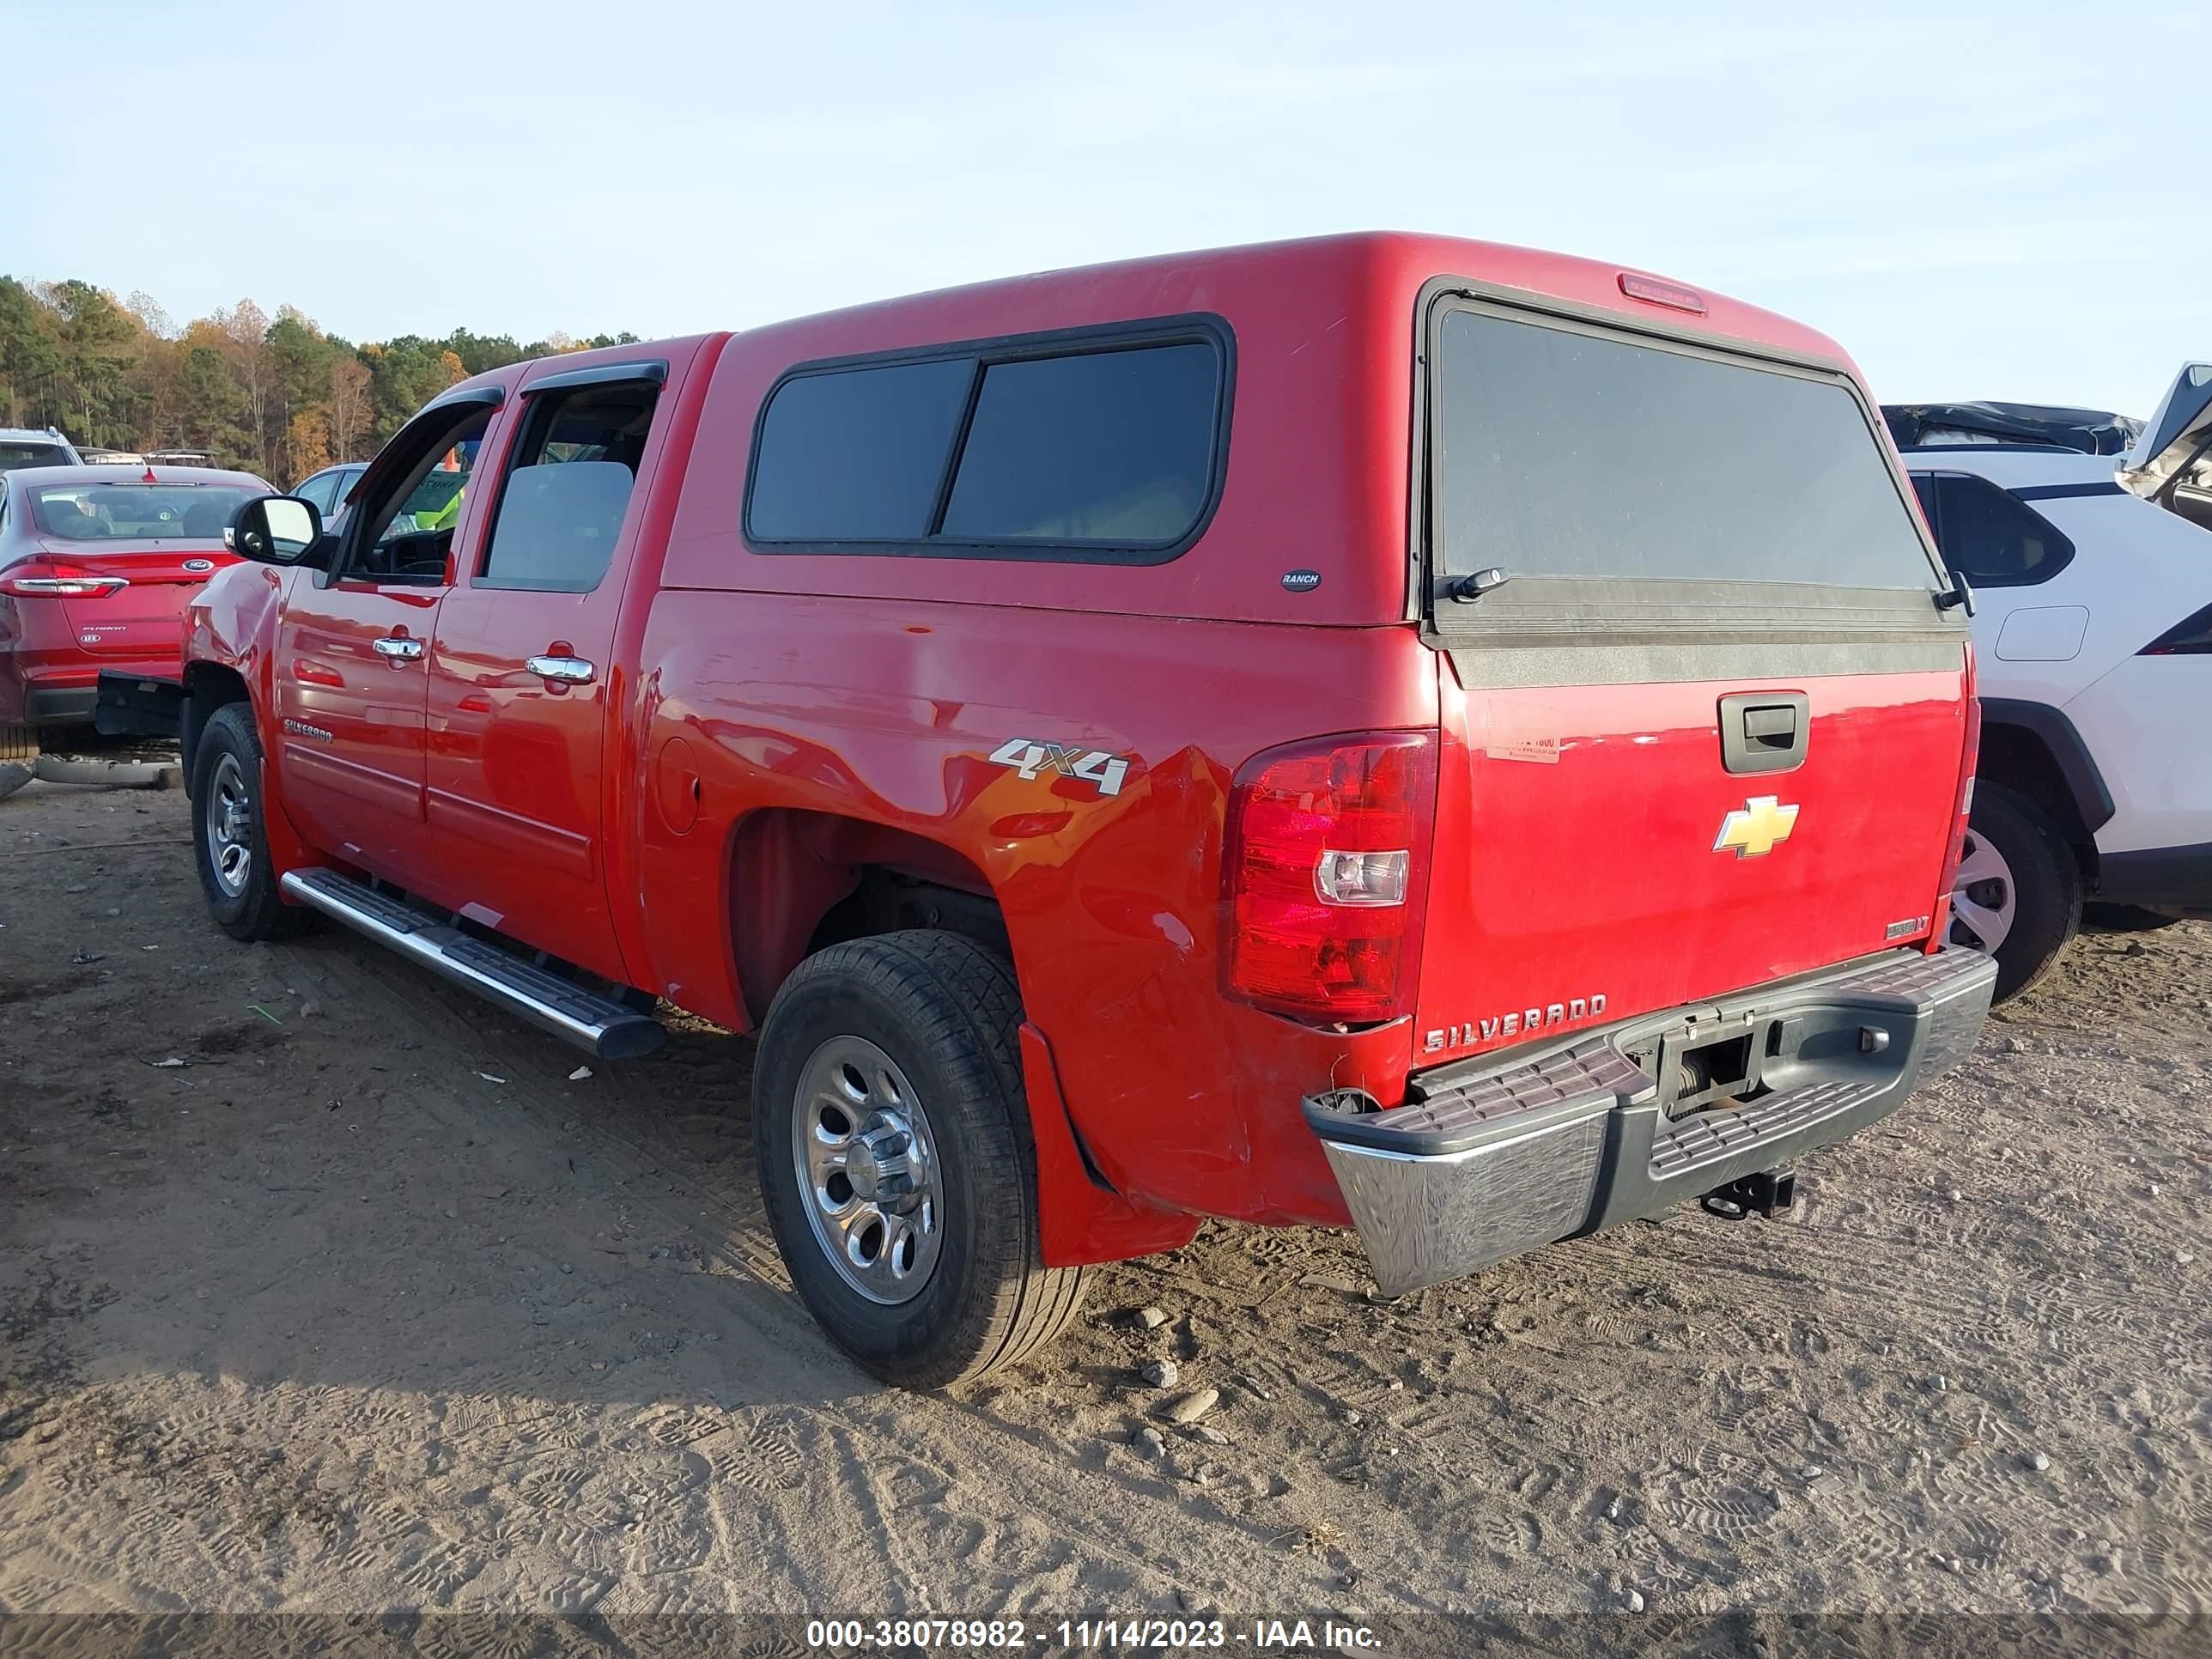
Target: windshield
[[13, 455], [136, 512], [1563, 453]]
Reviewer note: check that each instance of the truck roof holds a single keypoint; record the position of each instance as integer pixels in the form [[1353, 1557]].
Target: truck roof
[[1396, 261], [1323, 352]]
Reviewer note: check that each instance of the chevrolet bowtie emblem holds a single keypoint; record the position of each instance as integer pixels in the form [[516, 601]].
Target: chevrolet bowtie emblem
[[1753, 830]]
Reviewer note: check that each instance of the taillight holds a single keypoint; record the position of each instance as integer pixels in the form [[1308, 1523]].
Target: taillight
[[2192, 638], [39, 579], [1327, 845]]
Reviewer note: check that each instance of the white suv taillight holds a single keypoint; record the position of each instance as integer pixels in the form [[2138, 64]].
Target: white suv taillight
[[1326, 843]]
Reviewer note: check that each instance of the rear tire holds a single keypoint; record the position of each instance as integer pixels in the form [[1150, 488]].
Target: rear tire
[[896, 1159], [2017, 893], [19, 743], [230, 847]]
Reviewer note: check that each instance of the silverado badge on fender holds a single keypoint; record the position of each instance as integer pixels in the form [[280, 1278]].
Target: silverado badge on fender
[[1756, 827]]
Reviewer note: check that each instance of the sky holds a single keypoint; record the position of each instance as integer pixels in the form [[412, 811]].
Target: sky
[[1978, 200]]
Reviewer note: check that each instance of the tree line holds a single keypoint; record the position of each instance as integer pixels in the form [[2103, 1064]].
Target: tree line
[[274, 396]]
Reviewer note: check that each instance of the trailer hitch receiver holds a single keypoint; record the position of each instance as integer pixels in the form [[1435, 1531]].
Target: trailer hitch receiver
[[1760, 1194]]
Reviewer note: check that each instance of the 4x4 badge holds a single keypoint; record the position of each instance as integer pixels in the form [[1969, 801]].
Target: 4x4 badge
[[1029, 757], [1756, 827]]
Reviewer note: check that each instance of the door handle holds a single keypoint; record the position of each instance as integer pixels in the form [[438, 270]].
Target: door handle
[[399, 647], [570, 671]]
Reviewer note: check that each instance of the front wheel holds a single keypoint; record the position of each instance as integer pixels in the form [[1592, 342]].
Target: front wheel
[[19, 743], [229, 846], [896, 1161], [2017, 894]]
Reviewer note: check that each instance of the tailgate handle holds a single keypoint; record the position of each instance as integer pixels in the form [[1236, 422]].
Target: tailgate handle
[[1772, 725], [1765, 730]]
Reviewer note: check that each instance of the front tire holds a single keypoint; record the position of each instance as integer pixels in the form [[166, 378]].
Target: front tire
[[19, 743], [2017, 894], [230, 847], [896, 1159]]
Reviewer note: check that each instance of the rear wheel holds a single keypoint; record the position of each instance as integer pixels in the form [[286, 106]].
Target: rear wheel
[[230, 847], [2018, 891], [896, 1161], [19, 743]]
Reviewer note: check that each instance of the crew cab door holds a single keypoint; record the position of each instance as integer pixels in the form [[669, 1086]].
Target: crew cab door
[[524, 692], [353, 648]]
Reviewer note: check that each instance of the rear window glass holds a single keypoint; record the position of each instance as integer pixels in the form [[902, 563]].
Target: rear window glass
[[15, 455], [1111, 453], [1564, 453], [130, 512]]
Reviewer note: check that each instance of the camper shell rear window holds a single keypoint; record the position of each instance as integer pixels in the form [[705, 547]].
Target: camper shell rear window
[[1100, 445], [1562, 449]]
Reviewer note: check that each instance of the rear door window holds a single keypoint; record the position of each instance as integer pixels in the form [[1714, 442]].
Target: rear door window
[[561, 506], [1042, 447], [1564, 452]]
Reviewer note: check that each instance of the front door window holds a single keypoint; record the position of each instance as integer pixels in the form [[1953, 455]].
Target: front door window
[[409, 530]]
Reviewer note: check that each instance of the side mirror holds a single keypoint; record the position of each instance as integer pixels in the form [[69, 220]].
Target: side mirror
[[276, 530]]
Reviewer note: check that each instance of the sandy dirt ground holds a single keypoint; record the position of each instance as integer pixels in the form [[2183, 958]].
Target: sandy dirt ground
[[323, 1287]]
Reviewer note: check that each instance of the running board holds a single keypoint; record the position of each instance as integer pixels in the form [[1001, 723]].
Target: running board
[[595, 1023]]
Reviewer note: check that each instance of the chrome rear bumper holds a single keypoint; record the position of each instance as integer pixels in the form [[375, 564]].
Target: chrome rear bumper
[[1493, 1158]]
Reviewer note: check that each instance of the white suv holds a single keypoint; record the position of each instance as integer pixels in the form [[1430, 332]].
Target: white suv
[[2091, 572], [23, 445]]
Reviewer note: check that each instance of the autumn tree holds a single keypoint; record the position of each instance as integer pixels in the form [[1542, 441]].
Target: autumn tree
[[350, 409], [306, 443], [210, 407], [298, 375], [30, 361], [245, 332], [98, 344]]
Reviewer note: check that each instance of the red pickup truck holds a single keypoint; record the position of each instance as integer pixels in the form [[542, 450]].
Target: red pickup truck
[[1382, 731]]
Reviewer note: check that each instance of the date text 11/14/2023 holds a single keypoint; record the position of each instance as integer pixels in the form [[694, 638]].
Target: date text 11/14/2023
[[934, 1635]]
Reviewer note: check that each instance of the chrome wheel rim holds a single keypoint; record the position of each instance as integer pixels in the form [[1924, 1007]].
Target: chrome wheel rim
[[1984, 897], [227, 813], [867, 1170]]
